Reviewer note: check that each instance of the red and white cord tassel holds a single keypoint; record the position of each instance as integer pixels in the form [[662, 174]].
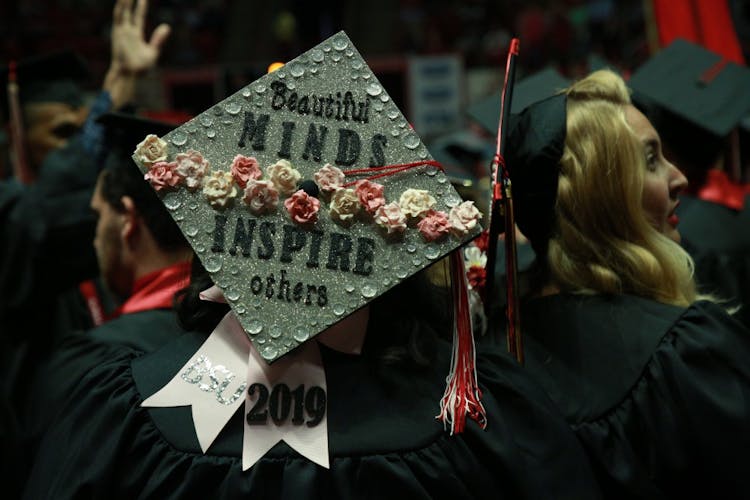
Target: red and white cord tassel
[[462, 395]]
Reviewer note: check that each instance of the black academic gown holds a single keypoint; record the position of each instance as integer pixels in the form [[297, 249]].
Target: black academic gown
[[384, 441], [659, 395], [46, 234], [718, 240], [78, 353]]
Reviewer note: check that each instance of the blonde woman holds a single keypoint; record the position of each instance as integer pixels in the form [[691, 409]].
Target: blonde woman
[[655, 382]]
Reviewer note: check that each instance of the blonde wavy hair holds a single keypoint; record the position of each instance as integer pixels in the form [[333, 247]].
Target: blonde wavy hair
[[604, 242]]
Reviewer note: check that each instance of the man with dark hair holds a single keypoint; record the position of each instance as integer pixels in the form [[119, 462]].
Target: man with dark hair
[[143, 260]]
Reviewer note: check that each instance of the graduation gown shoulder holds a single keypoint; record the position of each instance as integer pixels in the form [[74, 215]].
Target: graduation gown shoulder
[[383, 440], [659, 395]]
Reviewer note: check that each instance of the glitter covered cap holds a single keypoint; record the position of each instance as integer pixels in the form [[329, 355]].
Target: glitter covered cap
[[306, 195]]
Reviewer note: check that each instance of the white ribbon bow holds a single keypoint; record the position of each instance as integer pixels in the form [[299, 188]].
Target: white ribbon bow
[[287, 399]]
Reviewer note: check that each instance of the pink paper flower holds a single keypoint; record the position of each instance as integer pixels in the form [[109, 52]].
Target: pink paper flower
[[463, 218], [390, 218], [329, 178], [434, 225], [302, 207], [192, 167], [163, 175], [245, 168], [261, 196], [370, 195]]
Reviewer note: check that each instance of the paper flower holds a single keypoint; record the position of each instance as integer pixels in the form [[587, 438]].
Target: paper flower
[[434, 225], [245, 168], [219, 189], [370, 195], [463, 218], [344, 205], [284, 176], [151, 150], [163, 175], [482, 241], [391, 218], [192, 167], [302, 207], [261, 196], [474, 256], [329, 178], [416, 203], [477, 277]]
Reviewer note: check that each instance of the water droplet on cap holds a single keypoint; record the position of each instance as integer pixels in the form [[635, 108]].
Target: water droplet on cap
[[357, 65], [301, 334], [432, 251], [260, 88], [393, 114], [269, 352], [172, 201], [233, 294], [211, 134], [369, 291], [254, 327], [191, 229], [336, 57], [340, 42], [411, 141], [374, 89], [317, 55], [179, 138], [338, 309], [296, 69], [233, 108], [213, 264]]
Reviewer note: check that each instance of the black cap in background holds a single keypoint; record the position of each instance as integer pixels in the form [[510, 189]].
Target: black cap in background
[[124, 131], [695, 84], [694, 98], [53, 77], [527, 91]]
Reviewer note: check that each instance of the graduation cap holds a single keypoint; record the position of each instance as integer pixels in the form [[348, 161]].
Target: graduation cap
[[53, 77], [536, 140], [306, 195], [694, 98], [125, 130], [526, 92]]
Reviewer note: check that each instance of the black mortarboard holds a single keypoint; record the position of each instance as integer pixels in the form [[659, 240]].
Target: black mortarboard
[[536, 139], [49, 78], [125, 130], [531, 89], [695, 84]]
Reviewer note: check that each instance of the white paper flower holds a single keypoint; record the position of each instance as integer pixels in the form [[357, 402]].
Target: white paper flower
[[344, 205], [284, 176], [151, 150], [416, 203], [219, 189]]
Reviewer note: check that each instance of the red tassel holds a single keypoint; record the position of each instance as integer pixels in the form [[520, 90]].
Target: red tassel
[[462, 395]]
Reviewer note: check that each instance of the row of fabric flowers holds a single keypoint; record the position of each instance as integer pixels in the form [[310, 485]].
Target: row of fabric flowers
[[365, 201]]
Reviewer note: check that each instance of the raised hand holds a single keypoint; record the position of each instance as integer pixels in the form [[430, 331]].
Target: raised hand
[[131, 53]]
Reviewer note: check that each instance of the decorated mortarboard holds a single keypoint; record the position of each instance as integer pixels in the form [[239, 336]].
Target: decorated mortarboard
[[306, 195], [531, 89], [696, 85]]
